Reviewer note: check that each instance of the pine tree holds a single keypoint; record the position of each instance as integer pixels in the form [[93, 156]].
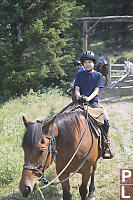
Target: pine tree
[[36, 42]]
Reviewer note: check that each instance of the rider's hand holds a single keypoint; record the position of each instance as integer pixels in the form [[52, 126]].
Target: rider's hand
[[85, 98], [78, 97]]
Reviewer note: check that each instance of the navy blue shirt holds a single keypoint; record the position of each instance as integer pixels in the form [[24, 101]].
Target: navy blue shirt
[[87, 82]]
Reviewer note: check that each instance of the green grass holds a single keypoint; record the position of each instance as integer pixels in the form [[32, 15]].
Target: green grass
[[128, 53], [108, 49], [33, 106], [38, 106]]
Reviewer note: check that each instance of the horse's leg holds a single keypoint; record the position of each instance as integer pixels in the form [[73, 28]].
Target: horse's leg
[[106, 80], [65, 187], [91, 187], [83, 187]]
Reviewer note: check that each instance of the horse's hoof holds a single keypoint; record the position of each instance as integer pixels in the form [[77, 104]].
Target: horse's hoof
[[91, 198]]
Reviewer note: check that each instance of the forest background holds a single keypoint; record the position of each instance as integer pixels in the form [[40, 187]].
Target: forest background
[[39, 39]]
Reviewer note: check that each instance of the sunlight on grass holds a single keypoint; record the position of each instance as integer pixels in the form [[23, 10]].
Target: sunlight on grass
[[39, 106]]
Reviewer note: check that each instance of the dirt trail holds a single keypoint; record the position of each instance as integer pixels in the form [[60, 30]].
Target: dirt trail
[[120, 112]]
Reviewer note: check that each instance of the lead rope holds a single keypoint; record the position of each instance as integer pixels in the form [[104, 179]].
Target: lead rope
[[51, 182]]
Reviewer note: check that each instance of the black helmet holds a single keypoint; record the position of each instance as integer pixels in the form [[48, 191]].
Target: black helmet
[[100, 53], [88, 55], [77, 62]]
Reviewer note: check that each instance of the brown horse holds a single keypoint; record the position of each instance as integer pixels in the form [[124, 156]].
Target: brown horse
[[67, 129], [103, 69]]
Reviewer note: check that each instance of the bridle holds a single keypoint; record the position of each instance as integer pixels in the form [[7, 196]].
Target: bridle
[[51, 148]]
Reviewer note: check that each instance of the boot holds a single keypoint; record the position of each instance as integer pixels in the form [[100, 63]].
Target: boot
[[107, 150]]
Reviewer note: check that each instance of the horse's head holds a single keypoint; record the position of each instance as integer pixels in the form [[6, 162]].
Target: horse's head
[[38, 153]]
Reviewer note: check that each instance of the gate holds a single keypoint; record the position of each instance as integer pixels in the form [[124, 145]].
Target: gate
[[120, 75]]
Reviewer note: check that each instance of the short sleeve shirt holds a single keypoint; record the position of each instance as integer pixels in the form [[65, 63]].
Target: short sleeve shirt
[[81, 69], [87, 82], [101, 59]]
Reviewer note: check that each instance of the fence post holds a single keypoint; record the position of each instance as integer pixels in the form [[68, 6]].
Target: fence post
[[84, 35], [109, 71]]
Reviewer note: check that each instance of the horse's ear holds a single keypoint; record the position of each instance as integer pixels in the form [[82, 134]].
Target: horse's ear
[[48, 123], [26, 122]]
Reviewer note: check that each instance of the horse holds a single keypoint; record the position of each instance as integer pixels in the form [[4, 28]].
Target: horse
[[103, 69], [67, 129]]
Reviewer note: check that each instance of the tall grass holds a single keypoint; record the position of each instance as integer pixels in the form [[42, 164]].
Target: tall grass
[[44, 103]]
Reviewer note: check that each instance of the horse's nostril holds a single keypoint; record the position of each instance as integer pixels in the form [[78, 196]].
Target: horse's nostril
[[26, 191]]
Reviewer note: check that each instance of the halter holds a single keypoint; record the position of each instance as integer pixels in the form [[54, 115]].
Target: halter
[[52, 146]]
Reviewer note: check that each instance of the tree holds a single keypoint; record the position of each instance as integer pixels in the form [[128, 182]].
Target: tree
[[35, 43]]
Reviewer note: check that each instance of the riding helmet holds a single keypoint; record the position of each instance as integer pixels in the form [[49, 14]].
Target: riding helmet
[[77, 62], [88, 55], [100, 53]]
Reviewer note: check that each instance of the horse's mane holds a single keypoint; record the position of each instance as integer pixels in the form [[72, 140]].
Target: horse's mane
[[67, 124]]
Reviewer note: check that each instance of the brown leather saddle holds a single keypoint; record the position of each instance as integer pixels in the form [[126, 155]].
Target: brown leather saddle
[[95, 120], [96, 114]]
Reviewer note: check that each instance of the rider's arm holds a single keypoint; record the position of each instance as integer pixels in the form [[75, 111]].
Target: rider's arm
[[95, 93], [77, 92]]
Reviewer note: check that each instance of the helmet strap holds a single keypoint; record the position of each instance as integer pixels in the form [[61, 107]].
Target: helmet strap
[[89, 70]]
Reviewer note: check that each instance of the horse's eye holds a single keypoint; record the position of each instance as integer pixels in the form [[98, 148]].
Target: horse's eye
[[42, 151], [42, 141]]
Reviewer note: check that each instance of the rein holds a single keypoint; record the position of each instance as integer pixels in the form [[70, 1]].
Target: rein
[[51, 182], [52, 147]]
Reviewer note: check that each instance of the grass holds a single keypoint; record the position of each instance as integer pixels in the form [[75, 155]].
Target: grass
[[47, 103], [108, 49], [33, 106]]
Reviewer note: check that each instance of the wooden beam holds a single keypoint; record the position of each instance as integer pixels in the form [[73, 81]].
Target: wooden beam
[[109, 72], [117, 70], [117, 65], [107, 19], [84, 36], [124, 87]]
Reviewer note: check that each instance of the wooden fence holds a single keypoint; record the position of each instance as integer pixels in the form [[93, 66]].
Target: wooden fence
[[119, 76]]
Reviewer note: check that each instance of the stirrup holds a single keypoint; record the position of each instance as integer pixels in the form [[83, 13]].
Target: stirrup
[[108, 154]]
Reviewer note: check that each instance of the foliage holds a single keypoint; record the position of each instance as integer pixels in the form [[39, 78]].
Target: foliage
[[35, 43], [40, 39]]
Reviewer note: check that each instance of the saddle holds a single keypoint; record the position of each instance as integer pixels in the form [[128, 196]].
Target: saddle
[[96, 114], [95, 119]]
